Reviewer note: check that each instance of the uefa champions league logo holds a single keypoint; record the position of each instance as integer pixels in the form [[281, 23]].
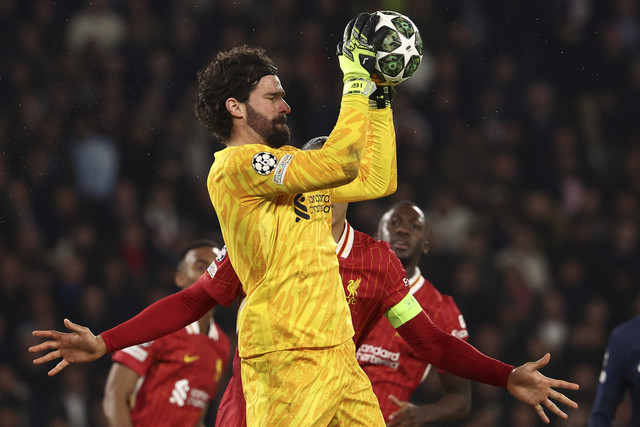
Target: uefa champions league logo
[[264, 163]]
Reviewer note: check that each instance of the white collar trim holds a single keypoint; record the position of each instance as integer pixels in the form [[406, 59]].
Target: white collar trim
[[345, 244], [416, 281], [194, 329]]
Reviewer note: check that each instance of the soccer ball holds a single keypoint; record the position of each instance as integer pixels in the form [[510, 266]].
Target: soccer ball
[[399, 48]]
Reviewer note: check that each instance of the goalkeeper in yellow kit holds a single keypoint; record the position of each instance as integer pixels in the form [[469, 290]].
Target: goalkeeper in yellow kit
[[273, 202], [274, 206]]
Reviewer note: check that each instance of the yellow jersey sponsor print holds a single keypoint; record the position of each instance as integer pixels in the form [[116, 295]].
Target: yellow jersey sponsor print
[[275, 218]]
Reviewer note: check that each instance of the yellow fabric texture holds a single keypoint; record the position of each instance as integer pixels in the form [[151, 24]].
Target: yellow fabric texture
[[377, 176], [276, 225], [309, 387]]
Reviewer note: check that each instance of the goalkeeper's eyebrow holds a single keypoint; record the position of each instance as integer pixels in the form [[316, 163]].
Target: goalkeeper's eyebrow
[[281, 93]]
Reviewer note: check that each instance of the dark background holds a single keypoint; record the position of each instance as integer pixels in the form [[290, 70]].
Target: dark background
[[519, 137]]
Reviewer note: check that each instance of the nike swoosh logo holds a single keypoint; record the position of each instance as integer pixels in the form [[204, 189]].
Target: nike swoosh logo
[[189, 359]]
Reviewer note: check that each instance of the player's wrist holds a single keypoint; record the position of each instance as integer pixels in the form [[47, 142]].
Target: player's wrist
[[352, 69], [103, 347], [381, 98], [358, 85]]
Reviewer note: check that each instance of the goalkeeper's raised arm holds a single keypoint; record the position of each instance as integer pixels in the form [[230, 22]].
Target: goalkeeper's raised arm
[[280, 170]]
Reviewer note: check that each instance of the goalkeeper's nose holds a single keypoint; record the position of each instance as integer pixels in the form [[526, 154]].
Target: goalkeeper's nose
[[284, 108]]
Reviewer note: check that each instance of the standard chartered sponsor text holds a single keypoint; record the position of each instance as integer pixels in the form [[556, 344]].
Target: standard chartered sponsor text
[[378, 356]]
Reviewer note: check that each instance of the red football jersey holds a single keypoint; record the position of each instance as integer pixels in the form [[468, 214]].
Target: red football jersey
[[179, 374], [374, 281], [393, 367], [222, 283]]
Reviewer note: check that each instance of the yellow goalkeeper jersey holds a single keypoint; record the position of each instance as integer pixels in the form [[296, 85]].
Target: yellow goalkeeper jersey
[[274, 208]]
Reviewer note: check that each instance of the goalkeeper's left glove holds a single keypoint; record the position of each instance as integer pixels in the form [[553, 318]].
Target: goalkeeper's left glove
[[357, 55]]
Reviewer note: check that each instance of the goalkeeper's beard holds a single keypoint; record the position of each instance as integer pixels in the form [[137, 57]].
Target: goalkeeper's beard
[[275, 136]]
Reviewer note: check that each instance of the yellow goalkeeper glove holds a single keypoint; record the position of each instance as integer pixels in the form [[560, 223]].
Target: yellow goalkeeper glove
[[357, 54]]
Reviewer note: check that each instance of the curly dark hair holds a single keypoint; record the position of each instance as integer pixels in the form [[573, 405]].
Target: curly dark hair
[[232, 74]]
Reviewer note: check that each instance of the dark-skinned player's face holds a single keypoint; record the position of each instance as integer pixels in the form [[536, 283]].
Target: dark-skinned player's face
[[194, 264], [267, 111], [404, 228]]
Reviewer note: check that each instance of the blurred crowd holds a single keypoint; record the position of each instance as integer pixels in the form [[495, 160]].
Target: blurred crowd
[[519, 136]]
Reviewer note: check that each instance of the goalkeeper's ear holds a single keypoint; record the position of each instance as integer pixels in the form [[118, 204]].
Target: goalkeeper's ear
[[234, 107]]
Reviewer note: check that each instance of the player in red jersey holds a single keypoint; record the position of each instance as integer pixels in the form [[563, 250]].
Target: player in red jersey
[[374, 281], [170, 381], [221, 285], [394, 368]]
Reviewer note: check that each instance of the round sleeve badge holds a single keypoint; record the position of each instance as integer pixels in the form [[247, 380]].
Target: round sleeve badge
[[264, 163]]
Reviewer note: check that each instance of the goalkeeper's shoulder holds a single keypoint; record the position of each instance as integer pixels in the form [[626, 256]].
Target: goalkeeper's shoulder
[[234, 161], [250, 162]]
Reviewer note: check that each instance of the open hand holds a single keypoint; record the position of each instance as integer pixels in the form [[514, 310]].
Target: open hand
[[528, 385], [77, 346], [407, 416]]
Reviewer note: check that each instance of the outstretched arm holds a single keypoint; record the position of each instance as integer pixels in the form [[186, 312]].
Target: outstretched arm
[[454, 355], [528, 385], [218, 284], [77, 346], [160, 318]]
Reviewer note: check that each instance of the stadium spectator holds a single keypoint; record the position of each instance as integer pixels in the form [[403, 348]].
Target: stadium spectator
[[96, 25]]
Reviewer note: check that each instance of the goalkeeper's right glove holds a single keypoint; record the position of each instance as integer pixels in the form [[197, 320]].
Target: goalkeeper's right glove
[[357, 55]]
